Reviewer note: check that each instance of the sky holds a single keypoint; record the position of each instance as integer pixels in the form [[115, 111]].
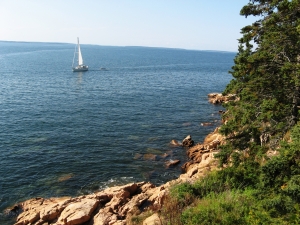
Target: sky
[[187, 24]]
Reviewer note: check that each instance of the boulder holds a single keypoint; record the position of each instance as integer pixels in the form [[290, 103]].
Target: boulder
[[213, 137], [28, 217], [52, 211], [103, 217], [152, 220], [118, 200], [133, 204], [78, 212], [215, 98], [185, 166], [188, 142], [218, 98], [31, 211], [195, 152]]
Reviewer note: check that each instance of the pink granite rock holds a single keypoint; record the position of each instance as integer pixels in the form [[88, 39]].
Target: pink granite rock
[[78, 212]]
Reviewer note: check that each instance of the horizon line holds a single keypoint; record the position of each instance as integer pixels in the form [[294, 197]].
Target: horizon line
[[123, 46]]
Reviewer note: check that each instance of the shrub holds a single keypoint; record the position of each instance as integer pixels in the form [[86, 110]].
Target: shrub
[[182, 192], [225, 208]]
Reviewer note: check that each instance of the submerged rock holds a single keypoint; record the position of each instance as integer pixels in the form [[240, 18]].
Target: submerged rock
[[206, 124], [175, 143], [172, 163], [65, 177], [165, 155], [150, 156], [137, 156]]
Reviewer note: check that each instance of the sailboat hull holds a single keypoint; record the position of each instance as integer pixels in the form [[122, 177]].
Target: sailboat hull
[[80, 68]]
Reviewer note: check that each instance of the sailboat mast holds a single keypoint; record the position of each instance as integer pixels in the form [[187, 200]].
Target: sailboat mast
[[80, 60]]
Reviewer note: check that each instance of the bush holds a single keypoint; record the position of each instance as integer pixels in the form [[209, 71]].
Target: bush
[[292, 188], [182, 192], [225, 208]]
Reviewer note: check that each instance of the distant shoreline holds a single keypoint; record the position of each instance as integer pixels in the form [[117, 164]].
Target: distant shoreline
[[121, 46]]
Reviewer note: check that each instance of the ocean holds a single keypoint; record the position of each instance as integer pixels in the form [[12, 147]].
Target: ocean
[[65, 133]]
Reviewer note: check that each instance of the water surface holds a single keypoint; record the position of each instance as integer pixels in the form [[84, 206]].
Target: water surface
[[65, 133]]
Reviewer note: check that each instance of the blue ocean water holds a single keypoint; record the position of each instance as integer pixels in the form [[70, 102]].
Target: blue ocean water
[[65, 133]]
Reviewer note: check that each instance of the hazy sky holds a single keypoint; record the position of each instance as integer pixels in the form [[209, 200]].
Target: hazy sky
[[188, 24]]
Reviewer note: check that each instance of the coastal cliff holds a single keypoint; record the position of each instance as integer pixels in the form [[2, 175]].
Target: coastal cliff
[[116, 205]]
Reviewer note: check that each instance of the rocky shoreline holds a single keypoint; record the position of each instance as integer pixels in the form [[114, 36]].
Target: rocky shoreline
[[116, 205]]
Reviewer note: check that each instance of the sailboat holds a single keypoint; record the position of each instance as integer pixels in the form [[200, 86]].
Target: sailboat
[[80, 67]]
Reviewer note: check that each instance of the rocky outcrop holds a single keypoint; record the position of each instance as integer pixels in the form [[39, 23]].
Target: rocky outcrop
[[199, 152], [110, 206], [217, 98]]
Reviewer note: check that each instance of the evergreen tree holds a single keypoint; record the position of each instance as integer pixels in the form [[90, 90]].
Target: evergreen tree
[[266, 75]]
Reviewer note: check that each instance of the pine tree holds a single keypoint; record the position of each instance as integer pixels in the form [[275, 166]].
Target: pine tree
[[266, 75]]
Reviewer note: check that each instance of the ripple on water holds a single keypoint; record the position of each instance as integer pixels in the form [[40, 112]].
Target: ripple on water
[[67, 134]]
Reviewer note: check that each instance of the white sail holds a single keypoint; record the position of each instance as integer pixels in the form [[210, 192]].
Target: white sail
[[80, 67], [80, 60]]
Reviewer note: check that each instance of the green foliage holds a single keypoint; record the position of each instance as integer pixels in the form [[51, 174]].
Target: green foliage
[[229, 207], [265, 78], [224, 208], [278, 205], [285, 168], [224, 154], [184, 193], [236, 159], [231, 178], [274, 172], [180, 196]]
